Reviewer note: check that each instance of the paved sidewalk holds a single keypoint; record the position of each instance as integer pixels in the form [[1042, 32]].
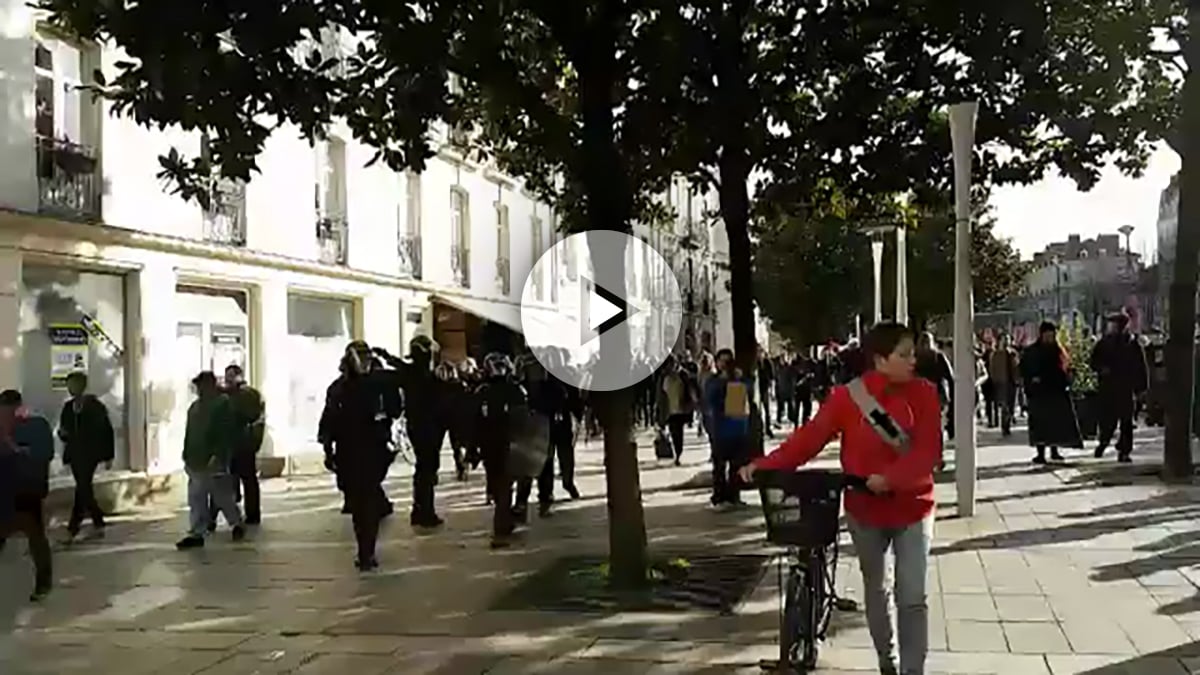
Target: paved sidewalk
[[1062, 570]]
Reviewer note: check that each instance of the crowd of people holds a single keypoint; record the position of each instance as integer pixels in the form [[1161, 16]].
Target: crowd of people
[[380, 402]]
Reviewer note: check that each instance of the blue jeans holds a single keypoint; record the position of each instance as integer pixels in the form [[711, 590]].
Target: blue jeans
[[910, 548]]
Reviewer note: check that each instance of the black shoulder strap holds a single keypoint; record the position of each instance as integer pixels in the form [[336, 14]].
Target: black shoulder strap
[[876, 416]]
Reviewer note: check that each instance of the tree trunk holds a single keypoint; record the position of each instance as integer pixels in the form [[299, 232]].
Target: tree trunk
[[1181, 340], [608, 207]]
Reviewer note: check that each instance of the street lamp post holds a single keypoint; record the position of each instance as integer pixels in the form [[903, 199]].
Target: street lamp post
[[902, 275], [877, 259], [962, 136]]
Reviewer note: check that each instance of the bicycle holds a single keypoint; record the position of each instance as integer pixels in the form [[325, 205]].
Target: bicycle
[[802, 509]]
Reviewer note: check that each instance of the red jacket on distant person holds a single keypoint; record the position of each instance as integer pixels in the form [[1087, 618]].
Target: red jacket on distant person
[[914, 405]]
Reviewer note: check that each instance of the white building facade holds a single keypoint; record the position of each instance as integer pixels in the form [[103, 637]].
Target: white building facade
[[101, 269]]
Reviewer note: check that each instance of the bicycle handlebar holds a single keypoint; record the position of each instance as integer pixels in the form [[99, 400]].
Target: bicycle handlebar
[[774, 478]]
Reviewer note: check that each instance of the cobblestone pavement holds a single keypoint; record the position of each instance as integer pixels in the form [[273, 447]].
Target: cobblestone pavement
[[1082, 568]]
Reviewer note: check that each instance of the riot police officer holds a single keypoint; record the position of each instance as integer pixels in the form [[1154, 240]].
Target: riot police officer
[[498, 396], [424, 396], [355, 431]]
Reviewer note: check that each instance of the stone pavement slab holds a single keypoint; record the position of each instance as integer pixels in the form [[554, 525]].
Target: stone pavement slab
[[1086, 567]]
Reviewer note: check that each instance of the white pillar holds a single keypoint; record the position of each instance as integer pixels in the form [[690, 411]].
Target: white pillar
[[10, 315], [877, 258], [166, 398], [901, 274], [271, 363], [962, 135]]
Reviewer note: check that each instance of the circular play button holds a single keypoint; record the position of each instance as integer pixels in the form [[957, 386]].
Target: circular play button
[[618, 313]]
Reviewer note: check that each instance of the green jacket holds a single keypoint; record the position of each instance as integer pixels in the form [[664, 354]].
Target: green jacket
[[210, 433], [248, 420]]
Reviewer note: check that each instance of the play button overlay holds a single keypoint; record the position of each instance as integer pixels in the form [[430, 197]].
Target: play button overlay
[[601, 309], [616, 316]]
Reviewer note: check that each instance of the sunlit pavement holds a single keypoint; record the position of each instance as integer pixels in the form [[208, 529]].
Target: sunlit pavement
[[1062, 570]]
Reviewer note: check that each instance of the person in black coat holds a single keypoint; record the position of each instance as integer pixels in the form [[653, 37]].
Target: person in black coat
[[1120, 365], [86, 431], [497, 397], [26, 450], [355, 431], [1045, 370], [424, 400]]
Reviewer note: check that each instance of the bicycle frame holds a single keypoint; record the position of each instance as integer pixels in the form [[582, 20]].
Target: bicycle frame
[[807, 601]]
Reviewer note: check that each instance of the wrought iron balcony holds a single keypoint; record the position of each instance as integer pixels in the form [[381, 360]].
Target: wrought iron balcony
[[460, 265], [332, 238], [68, 179], [225, 217], [410, 256], [503, 275]]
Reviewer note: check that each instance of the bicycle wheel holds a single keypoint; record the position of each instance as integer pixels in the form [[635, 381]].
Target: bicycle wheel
[[817, 609], [795, 610]]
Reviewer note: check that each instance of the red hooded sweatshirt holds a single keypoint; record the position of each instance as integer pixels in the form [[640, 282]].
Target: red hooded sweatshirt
[[915, 407]]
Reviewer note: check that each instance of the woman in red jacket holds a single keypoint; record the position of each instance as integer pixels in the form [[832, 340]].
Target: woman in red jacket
[[897, 512]]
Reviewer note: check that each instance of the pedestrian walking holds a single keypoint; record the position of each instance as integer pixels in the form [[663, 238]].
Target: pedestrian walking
[[897, 458], [356, 432], [1003, 375], [730, 402], [786, 381], [424, 402], [1120, 365], [207, 452], [498, 397], [249, 423], [677, 401], [934, 367], [1052, 423], [86, 432], [26, 450], [765, 377]]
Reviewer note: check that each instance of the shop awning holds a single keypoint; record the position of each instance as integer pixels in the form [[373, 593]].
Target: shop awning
[[503, 313]]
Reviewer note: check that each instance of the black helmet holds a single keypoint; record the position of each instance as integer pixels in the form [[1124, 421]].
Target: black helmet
[[422, 344], [497, 364]]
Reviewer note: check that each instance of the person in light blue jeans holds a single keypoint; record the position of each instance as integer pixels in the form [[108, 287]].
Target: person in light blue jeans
[[207, 450]]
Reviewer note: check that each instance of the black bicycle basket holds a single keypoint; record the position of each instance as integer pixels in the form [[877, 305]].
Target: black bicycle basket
[[802, 507]]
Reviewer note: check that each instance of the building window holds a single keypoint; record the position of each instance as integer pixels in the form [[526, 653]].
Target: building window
[[68, 180], [409, 227], [539, 246], [460, 236], [329, 196], [503, 242]]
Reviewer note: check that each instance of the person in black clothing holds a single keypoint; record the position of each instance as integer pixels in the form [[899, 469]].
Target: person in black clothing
[[26, 450], [497, 397], [932, 365], [424, 396], [804, 372], [86, 431], [826, 372], [249, 425], [1120, 365], [456, 414], [1052, 422], [355, 431], [766, 382]]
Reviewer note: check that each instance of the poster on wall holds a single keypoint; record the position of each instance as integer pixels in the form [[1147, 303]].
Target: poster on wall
[[68, 352], [228, 347]]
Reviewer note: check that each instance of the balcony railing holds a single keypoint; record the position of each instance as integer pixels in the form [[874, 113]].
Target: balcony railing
[[225, 217], [332, 239], [68, 179], [410, 256], [503, 275], [460, 265]]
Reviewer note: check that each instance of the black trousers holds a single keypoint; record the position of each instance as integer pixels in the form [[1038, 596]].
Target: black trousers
[[427, 447], [499, 488], [675, 424], [806, 406], [562, 439], [84, 472], [1116, 410], [729, 455], [28, 519], [364, 493], [1004, 401], [244, 468]]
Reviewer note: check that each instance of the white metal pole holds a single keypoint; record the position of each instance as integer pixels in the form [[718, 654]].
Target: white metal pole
[[877, 257], [901, 275], [962, 135]]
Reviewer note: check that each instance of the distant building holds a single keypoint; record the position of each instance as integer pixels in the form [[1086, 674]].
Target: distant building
[[1079, 281]]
